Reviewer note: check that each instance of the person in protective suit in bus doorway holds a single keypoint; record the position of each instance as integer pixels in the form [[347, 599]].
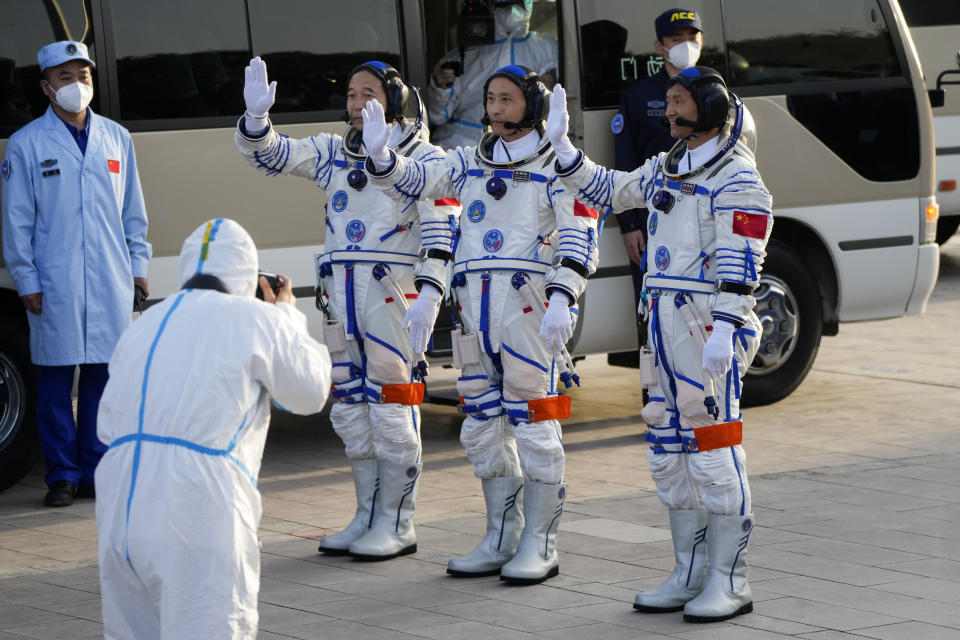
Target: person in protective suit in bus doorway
[[185, 415], [522, 240], [710, 220], [454, 93], [372, 252]]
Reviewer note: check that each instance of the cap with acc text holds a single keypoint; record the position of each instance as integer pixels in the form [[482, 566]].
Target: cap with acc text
[[57, 53], [672, 20]]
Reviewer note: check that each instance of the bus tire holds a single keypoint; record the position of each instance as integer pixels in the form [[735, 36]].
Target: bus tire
[[19, 441], [946, 227], [789, 308]]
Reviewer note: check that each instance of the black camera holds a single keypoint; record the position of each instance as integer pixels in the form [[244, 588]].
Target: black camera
[[475, 26], [272, 279]]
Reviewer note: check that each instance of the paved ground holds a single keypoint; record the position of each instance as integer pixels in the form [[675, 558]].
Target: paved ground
[[854, 483]]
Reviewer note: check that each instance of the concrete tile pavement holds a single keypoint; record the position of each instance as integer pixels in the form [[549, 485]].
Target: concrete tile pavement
[[854, 482]]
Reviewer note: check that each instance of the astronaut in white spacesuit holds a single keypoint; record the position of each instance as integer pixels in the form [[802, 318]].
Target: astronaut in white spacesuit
[[710, 220], [521, 238], [455, 100], [372, 249]]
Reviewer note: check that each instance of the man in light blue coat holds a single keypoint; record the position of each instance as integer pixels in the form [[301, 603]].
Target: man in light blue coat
[[74, 240]]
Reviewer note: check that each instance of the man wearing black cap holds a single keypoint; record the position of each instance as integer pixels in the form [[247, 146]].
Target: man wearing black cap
[[639, 127]]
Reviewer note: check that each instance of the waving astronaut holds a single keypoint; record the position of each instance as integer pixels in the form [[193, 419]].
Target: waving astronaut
[[521, 236], [372, 249], [709, 223]]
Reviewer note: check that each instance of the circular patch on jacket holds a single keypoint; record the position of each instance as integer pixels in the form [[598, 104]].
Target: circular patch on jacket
[[355, 230], [747, 525], [339, 200], [652, 223], [616, 125], [411, 472], [5, 169], [663, 258], [492, 240], [561, 493], [476, 211]]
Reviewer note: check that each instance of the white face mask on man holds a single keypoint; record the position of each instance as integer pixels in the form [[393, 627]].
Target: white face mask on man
[[684, 55], [74, 97]]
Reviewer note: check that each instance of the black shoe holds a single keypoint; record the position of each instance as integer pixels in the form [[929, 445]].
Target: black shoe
[[61, 494], [86, 491]]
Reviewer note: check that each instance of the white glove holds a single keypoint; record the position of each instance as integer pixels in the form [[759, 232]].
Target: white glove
[[257, 95], [556, 328], [421, 315], [558, 122], [375, 135], [718, 351]]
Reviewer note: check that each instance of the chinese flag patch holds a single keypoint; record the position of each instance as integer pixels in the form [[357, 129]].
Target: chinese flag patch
[[447, 202], [583, 210], [113, 166], [751, 225]]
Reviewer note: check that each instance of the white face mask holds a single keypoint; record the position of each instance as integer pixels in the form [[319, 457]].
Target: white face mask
[[511, 20], [74, 97], [684, 55]]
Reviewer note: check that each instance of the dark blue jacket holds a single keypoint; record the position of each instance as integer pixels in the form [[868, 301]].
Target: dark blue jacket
[[643, 136]]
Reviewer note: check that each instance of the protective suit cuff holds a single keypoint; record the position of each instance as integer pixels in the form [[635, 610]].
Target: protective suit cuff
[[28, 284], [565, 279], [563, 172], [139, 268], [372, 170], [733, 319], [632, 220], [430, 270], [567, 295], [252, 137]]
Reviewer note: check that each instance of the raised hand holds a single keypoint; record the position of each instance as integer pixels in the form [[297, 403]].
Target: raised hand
[[558, 123], [257, 94], [375, 134]]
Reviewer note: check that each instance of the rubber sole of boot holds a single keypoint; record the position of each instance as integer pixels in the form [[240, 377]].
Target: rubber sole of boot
[[645, 608], [747, 608], [472, 574], [333, 551], [526, 581], [403, 552]]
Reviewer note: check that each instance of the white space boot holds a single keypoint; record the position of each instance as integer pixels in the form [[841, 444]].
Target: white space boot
[[504, 524], [365, 484], [726, 593], [688, 527], [392, 532], [536, 558]]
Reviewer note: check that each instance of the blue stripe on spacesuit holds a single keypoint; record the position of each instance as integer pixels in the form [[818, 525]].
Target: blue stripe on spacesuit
[[386, 345], [759, 210], [351, 306], [661, 354], [689, 381], [743, 496], [485, 313], [276, 156], [507, 174], [523, 358], [143, 400]]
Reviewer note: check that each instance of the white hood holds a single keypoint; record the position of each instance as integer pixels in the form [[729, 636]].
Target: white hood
[[230, 255]]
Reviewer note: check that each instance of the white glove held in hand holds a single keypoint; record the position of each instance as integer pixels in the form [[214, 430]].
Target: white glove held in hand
[[557, 325], [375, 135], [558, 122], [257, 95], [718, 351], [421, 315]]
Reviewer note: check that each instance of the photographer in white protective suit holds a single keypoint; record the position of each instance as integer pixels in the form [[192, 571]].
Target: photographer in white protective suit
[[523, 240], [710, 220], [372, 250], [185, 416]]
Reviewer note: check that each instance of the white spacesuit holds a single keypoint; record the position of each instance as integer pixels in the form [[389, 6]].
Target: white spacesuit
[[376, 392], [517, 230], [185, 415], [456, 111], [710, 219]]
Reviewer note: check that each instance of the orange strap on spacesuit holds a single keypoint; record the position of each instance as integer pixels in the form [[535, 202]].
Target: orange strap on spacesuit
[[716, 436]]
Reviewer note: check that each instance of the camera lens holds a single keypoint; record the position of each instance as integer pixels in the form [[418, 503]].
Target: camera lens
[[497, 188], [662, 201], [357, 179]]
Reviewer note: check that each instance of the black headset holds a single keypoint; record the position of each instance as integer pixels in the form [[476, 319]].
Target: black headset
[[534, 92], [709, 93], [399, 93]]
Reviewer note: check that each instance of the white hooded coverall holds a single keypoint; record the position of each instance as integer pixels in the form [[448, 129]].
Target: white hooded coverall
[[185, 415], [707, 251], [364, 228], [534, 225], [456, 111]]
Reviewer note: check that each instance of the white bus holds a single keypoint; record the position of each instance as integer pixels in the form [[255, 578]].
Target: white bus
[[935, 27], [845, 143]]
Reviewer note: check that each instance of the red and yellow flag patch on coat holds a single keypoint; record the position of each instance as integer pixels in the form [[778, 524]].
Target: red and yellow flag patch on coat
[[582, 210], [113, 166], [750, 225]]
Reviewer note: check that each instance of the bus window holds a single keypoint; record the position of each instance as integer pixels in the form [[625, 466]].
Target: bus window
[[179, 58], [813, 55], [24, 29], [810, 41], [931, 13], [311, 55], [616, 45]]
